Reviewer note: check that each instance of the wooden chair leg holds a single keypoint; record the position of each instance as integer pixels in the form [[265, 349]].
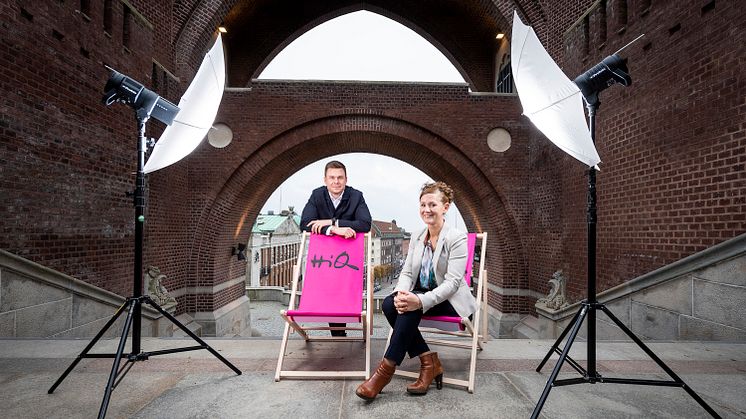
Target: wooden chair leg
[[283, 348]]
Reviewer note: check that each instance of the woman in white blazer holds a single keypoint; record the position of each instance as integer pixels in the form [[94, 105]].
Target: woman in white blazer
[[432, 282]]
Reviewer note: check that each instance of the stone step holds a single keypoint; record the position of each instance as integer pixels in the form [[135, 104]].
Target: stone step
[[527, 328], [190, 324]]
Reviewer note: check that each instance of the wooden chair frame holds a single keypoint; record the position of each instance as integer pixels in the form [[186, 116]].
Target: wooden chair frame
[[467, 329], [365, 319]]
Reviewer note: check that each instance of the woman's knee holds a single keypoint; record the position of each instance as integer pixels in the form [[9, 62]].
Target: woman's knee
[[388, 305]]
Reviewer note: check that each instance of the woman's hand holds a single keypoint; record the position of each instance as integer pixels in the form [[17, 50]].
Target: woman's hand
[[406, 301]]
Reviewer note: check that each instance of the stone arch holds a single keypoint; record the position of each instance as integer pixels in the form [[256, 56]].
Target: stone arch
[[469, 45], [464, 31], [236, 205], [196, 21], [196, 25]]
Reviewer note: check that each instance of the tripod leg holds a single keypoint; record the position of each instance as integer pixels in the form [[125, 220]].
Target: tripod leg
[[558, 341], [117, 360], [550, 382], [93, 341], [660, 362], [192, 335]]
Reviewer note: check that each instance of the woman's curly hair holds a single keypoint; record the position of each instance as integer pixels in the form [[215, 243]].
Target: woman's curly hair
[[445, 190]]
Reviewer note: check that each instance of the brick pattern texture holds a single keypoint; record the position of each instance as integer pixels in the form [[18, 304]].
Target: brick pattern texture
[[673, 144]]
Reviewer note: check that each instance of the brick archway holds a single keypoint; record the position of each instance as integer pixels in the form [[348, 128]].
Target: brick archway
[[235, 207], [257, 31], [463, 31], [672, 183]]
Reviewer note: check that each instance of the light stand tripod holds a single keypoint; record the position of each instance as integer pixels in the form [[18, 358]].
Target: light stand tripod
[[588, 309], [134, 304]]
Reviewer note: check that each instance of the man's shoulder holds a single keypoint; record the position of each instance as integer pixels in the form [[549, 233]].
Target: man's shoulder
[[353, 192], [320, 191]]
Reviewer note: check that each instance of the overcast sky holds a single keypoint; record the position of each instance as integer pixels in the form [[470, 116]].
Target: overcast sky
[[363, 46]]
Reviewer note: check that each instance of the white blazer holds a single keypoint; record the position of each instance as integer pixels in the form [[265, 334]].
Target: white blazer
[[450, 268]]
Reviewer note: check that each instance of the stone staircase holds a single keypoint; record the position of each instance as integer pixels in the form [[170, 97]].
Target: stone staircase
[[190, 324], [527, 328]]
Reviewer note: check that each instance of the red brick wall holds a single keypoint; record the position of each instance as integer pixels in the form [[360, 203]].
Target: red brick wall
[[672, 180], [672, 144], [280, 129], [66, 159]]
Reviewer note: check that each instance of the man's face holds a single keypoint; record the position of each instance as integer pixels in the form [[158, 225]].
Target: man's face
[[335, 180]]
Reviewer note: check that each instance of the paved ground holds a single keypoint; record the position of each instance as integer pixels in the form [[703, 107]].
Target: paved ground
[[197, 385]]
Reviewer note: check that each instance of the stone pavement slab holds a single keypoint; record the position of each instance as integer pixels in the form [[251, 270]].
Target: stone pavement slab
[[197, 385]]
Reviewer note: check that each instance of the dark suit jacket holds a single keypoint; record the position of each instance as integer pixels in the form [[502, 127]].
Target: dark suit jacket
[[351, 212]]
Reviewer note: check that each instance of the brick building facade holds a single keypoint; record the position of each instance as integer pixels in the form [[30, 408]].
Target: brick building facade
[[388, 242], [390, 236], [673, 144], [273, 249]]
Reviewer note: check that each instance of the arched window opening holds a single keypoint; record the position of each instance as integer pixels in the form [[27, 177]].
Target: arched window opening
[[362, 46]]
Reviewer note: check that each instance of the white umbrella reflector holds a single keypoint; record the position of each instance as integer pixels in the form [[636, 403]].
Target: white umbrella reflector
[[550, 100], [199, 106]]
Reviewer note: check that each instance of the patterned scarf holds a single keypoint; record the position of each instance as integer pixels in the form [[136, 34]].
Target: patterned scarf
[[427, 274]]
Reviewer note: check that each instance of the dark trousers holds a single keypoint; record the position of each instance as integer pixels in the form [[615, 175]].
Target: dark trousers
[[406, 337], [338, 332]]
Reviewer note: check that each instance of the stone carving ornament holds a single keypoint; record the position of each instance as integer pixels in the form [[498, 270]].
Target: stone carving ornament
[[155, 288], [557, 298]]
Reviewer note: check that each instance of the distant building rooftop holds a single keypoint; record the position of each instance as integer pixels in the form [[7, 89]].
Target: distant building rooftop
[[388, 229], [269, 223]]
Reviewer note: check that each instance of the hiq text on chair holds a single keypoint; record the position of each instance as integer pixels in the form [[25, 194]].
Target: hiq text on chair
[[332, 291], [464, 333]]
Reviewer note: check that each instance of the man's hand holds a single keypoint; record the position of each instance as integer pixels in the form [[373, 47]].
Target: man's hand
[[407, 301], [346, 232], [318, 225]]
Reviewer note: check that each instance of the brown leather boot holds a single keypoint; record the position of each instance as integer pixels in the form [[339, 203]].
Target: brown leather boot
[[373, 385], [430, 369]]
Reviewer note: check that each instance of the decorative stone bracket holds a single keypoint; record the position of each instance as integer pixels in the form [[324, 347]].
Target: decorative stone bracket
[[557, 297], [157, 291]]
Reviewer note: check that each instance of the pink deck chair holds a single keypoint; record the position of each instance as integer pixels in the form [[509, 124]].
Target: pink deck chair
[[464, 333], [333, 291]]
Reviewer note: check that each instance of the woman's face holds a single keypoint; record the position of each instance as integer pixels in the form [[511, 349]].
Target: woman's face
[[432, 208]]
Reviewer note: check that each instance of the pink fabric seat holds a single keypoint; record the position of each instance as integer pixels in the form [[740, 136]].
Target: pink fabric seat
[[333, 283]]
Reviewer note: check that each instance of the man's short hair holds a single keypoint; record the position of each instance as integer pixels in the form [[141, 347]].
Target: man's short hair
[[335, 164]]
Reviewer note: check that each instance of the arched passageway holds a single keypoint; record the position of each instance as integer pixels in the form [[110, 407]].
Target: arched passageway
[[465, 32], [259, 175], [280, 127], [672, 183]]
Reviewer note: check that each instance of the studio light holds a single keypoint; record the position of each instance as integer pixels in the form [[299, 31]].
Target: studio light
[[554, 105], [196, 112], [120, 88], [199, 106], [611, 70]]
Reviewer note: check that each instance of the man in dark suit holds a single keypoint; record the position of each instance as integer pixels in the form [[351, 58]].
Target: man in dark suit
[[336, 208]]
